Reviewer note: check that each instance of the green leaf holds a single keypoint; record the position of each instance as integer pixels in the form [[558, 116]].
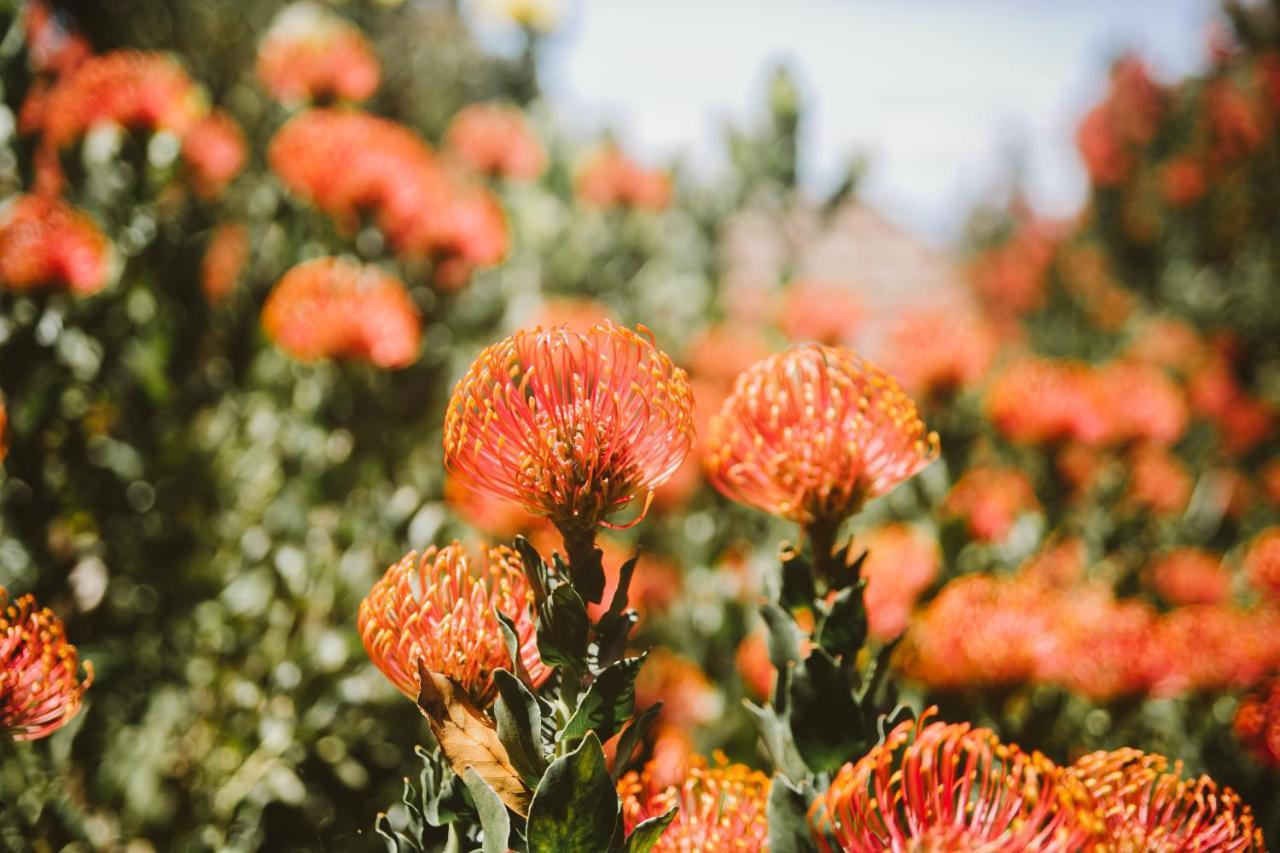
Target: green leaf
[[494, 819], [785, 637], [631, 737], [647, 832], [619, 601], [607, 703], [535, 570], [587, 576], [827, 725], [798, 589], [520, 726], [776, 737], [511, 639], [877, 672], [562, 629], [576, 807], [789, 818], [844, 628]]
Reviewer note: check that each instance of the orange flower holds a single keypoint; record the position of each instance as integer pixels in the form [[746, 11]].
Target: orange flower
[[937, 351], [1144, 804], [4, 431], [722, 806], [1190, 576], [52, 43], [754, 666], [1036, 400], [609, 178], [1158, 481], [46, 242], [901, 563], [40, 686], [990, 500], [215, 153], [1169, 343], [335, 308], [811, 433], [1257, 723], [1262, 562], [439, 610], [310, 54], [135, 90], [1139, 402], [572, 426], [1013, 277], [495, 139], [223, 261], [822, 311], [1098, 647], [1114, 131], [1183, 181], [1213, 647], [943, 786]]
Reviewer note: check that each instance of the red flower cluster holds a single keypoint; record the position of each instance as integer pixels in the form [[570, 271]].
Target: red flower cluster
[[129, 88], [1257, 723], [224, 259], [348, 163], [722, 806], [571, 425], [1190, 576], [40, 685], [1114, 132], [335, 308], [986, 631], [311, 54], [495, 139], [811, 433], [934, 352], [943, 786], [46, 242], [990, 500], [609, 178], [438, 610], [901, 563], [1039, 400], [214, 152]]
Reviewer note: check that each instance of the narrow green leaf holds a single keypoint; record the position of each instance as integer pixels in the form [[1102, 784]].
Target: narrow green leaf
[[575, 808], [511, 639], [587, 576], [607, 703], [827, 725], [562, 629], [494, 819], [785, 636], [535, 570], [520, 726], [632, 736], [798, 589], [844, 628], [647, 832]]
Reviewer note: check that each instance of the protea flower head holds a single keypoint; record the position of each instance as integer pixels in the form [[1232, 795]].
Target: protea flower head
[[336, 308], [934, 786], [224, 260], [495, 139], [214, 152], [40, 685], [611, 179], [573, 426], [438, 609], [813, 432], [1257, 723], [47, 243], [1144, 803], [310, 53], [722, 807]]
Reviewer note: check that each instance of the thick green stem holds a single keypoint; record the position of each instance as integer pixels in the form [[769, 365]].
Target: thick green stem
[[822, 541]]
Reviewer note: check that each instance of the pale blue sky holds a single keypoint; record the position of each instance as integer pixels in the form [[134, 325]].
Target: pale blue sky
[[940, 94]]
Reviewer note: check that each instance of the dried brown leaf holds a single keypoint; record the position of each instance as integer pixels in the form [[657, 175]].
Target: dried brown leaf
[[468, 738]]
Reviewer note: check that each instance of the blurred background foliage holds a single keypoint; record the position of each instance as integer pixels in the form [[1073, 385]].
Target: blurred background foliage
[[206, 512]]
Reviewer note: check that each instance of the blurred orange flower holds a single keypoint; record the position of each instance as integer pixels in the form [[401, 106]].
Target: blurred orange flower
[[215, 153], [1190, 576], [224, 259], [40, 685], [935, 351], [828, 312], [311, 54], [990, 500], [901, 563], [495, 139], [46, 242], [609, 178]]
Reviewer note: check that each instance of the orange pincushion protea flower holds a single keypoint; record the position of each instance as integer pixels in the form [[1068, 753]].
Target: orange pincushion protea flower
[[811, 433], [1139, 402], [1262, 562], [335, 308], [40, 685], [943, 786], [901, 563], [495, 139], [609, 178], [224, 259], [46, 242], [1190, 576], [828, 312], [937, 351], [1144, 804], [1257, 723], [1039, 400], [214, 152], [438, 610], [129, 88], [572, 426], [722, 806], [990, 500], [310, 53]]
